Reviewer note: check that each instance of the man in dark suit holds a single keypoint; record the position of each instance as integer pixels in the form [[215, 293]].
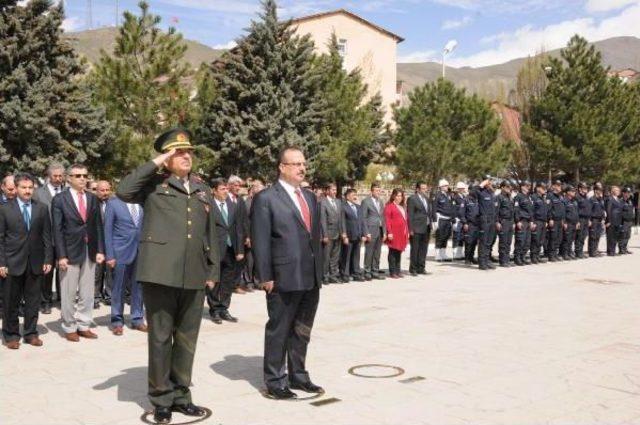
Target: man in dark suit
[[421, 214], [333, 232], [25, 256], [103, 279], [122, 227], [355, 234], [7, 193], [286, 241], [373, 217], [230, 235], [234, 184], [54, 184], [79, 239]]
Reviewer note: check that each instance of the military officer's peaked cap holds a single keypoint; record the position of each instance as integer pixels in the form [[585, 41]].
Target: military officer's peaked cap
[[176, 138]]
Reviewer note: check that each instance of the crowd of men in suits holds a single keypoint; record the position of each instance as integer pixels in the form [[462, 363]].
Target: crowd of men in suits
[[72, 234]]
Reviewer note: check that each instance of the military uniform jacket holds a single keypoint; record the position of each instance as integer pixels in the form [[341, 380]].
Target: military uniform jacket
[[178, 245], [571, 209], [523, 205], [505, 208]]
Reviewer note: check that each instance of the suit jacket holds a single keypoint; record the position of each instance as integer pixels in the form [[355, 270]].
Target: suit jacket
[[71, 234], [43, 195], [234, 229], [373, 219], [419, 218], [353, 223], [178, 246], [284, 251], [19, 247], [331, 219], [121, 235]]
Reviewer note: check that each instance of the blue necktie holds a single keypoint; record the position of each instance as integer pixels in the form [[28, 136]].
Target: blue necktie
[[26, 216]]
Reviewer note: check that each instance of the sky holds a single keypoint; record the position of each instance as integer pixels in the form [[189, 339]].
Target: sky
[[487, 31]]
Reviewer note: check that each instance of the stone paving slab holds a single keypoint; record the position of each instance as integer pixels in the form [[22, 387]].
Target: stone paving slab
[[548, 344]]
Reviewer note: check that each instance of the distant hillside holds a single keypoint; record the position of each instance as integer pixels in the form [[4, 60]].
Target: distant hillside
[[497, 80], [89, 43]]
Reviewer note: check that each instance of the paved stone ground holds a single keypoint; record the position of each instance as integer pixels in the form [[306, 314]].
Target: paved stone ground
[[554, 344]]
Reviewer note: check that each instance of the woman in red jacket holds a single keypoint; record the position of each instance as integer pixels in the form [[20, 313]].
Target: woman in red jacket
[[395, 217]]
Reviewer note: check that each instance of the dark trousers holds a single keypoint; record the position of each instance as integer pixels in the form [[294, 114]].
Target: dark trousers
[[595, 231], [248, 266], [372, 251], [623, 243], [350, 259], [613, 234], [538, 239], [419, 247], [124, 275], [581, 235], [523, 240], [47, 285], [219, 298], [443, 233], [331, 254], [394, 261], [173, 317], [554, 239], [505, 237], [104, 282], [29, 286], [471, 241], [286, 336], [487, 236], [568, 239]]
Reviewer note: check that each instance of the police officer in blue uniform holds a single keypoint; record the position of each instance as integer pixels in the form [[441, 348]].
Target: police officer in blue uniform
[[597, 216], [584, 214], [446, 213], [627, 220], [613, 220], [556, 221], [571, 224], [470, 219], [505, 223], [525, 223], [488, 206], [540, 218]]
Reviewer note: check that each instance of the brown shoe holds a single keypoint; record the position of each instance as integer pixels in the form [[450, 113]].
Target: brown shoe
[[141, 328], [14, 345], [73, 337], [239, 290], [87, 334], [34, 340], [117, 330]]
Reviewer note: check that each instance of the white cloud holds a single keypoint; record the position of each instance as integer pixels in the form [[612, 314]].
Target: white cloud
[[419, 56], [228, 6], [607, 5], [528, 40], [451, 24], [71, 24], [226, 46]]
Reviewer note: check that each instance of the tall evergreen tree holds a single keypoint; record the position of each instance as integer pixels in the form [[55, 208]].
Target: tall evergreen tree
[[142, 85], [46, 112], [353, 132], [267, 98], [445, 132]]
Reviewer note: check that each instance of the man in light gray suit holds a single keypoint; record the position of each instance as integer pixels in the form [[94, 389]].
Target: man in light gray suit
[[54, 184], [373, 217], [333, 232]]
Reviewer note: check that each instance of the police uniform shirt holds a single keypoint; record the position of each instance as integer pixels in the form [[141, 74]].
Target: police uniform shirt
[[445, 206], [523, 207], [505, 207], [540, 207], [487, 202], [470, 211], [597, 208], [557, 209], [571, 208], [584, 206]]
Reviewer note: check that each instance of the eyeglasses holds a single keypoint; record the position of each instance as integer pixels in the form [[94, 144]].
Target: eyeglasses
[[295, 164], [79, 176]]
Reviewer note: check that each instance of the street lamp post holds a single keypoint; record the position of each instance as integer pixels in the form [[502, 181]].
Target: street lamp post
[[450, 47]]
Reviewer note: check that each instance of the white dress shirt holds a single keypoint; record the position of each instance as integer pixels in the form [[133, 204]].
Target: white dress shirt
[[291, 191], [75, 195]]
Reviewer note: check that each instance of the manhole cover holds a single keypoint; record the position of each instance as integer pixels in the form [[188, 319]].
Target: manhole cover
[[312, 396], [376, 371], [147, 418], [606, 282]]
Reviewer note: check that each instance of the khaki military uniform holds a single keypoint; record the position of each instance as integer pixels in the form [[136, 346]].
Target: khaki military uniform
[[177, 255]]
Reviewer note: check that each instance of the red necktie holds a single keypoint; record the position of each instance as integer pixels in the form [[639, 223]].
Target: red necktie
[[306, 215], [82, 207]]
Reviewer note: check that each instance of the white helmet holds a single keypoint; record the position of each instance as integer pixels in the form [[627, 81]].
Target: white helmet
[[443, 182], [461, 185]]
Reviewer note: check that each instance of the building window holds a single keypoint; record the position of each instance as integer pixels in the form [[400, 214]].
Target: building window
[[342, 47]]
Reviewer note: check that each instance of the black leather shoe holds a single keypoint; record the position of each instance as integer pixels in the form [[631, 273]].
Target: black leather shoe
[[229, 318], [307, 387], [46, 309], [162, 415], [368, 277], [281, 393], [358, 279], [96, 304], [378, 276], [188, 409], [215, 318], [413, 273]]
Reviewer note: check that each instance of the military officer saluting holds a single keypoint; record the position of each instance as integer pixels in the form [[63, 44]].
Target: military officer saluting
[[177, 259]]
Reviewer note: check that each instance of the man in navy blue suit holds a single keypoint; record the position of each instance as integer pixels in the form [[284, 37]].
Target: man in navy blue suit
[[122, 226], [286, 241], [356, 233]]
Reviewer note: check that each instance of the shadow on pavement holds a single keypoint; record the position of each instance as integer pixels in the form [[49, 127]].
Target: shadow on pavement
[[241, 368], [132, 386]]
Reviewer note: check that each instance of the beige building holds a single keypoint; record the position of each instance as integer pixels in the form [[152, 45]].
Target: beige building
[[362, 45]]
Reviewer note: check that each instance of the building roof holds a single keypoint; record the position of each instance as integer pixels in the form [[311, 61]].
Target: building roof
[[352, 16]]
